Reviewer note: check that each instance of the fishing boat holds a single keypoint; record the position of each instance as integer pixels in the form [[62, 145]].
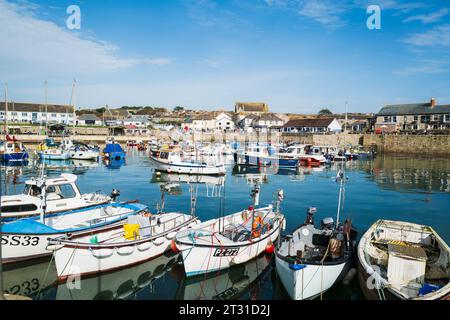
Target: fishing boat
[[141, 238], [311, 260], [27, 239], [113, 151], [10, 149], [230, 240], [171, 162], [13, 151], [303, 153], [402, 260], [62, 195], [264, 156]]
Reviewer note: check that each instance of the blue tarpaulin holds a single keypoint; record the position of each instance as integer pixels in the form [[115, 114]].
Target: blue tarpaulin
[[113, 148]]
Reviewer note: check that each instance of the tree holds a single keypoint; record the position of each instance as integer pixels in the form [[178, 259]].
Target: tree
[[178, 109], [325, 112]]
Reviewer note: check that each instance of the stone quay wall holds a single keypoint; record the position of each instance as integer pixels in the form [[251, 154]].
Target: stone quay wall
[[430, 145]]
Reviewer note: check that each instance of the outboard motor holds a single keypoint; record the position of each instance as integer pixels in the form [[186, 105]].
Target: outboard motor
[[114, 194], [310, 216], [327, 223]]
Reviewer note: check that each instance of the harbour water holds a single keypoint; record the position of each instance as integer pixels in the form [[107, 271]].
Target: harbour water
[[390, 187]]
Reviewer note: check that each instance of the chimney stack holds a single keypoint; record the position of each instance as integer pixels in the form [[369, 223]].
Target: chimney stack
[[433, 102]]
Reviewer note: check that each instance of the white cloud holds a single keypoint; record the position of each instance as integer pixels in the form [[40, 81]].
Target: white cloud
[[428, 66], [32, 46], [429, 18], [438, 37]]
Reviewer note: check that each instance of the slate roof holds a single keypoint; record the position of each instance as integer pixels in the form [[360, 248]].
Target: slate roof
[[309, 123], [251, 106], [413, 109], [34, 107], [88, 117]]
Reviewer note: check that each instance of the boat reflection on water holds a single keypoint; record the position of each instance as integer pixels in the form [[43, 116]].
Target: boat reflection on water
[[171, 181], [30, 280], [120, 285], [227, 284]]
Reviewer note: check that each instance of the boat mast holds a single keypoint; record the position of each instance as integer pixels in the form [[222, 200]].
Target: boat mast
[[46, 110], [6, 111], [341, 178], [73, 105]]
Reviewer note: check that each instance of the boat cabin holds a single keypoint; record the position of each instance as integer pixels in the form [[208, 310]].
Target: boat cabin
[[60, 188]]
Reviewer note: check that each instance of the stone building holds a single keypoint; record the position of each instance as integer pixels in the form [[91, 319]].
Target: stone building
[[413, 117]]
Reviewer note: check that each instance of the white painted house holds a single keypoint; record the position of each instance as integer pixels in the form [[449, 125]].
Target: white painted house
[[204, 123], [224, 122], [36, 113], [318, 125], [89, 120], [138, 121]]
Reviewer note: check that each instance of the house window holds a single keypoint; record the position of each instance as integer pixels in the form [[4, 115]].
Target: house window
[[436, 117], [14, 114], [24, 114], [54, 115], [425, 119], [447, 118], [394, 119], [415, 127], [386, 119], [416, 118]]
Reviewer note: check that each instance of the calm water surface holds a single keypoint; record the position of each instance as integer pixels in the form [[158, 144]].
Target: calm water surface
[[390, 187]]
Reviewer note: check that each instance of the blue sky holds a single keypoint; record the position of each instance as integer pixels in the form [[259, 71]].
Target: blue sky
[[297, 55]]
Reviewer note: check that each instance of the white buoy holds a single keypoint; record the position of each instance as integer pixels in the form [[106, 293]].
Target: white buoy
[[349, 276]]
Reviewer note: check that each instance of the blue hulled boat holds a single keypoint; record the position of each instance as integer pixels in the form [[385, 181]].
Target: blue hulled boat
[[113, 151]]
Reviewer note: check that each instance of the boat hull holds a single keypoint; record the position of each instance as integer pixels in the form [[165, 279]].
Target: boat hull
[[219, 170], [46, 156], [23, 247], [265, 161], [12, 157], [202, 259], [312, 280], [74, 259], [84, 155]]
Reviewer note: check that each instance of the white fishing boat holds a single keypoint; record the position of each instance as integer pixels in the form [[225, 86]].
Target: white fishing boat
[[80, 151], [230, 240], [27, 239], [171, 162], [402, 260], [141, 238], [311, 260], [53, 153], [303, 152], [62, 195]]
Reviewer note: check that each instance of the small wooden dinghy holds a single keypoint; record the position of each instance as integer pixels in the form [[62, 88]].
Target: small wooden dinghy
[[142, 238], [401, 260], [230, 240]]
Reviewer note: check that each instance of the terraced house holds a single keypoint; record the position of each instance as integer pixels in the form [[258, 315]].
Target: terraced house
[[413, 117], [36, 113]]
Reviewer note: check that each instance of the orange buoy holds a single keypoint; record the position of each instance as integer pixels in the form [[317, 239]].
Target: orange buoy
[[270, 248], [173, 246]]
